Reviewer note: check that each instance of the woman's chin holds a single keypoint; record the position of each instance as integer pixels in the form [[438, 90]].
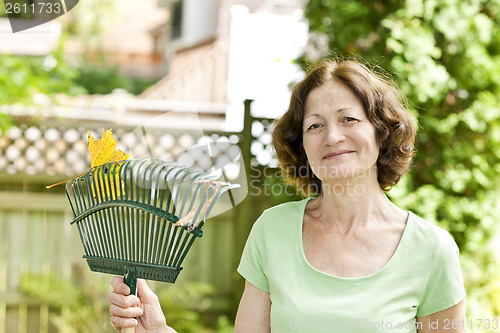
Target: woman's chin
[[340, 174]]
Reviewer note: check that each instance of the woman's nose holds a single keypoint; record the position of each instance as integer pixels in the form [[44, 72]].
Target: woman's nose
[[334, 135]]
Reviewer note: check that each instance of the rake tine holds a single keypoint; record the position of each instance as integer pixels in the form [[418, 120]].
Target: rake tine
[[170, 249], [69, 185], [175, 188], [141, 190], [172, 205], [221, 191], [74, 186], [173, 249], [78, 192], [88, 226], [120, 212], [196, 190], [164, 243], [134, 195], [178, 194], [193, 180], [77, 207], [133, 226], [114, 186], [212, 203], [180, 249], [98, 225], [200, 206], [186, 250], [176, 238], [106, 172], [149, 217], [167, 188], [95, 217], [159, 224], [151, 224], [128, 211], [100, 192], [140, 214], [106, 214]]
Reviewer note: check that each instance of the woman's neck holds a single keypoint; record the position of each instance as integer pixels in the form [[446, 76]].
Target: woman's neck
[[352, 202]]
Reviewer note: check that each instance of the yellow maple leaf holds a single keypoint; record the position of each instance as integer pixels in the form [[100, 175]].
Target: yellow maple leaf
[[104, 149]]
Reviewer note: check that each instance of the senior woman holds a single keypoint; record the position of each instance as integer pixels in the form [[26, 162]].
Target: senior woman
[[345, 259]]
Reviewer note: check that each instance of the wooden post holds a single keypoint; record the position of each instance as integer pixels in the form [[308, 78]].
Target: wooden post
[[243, 223]]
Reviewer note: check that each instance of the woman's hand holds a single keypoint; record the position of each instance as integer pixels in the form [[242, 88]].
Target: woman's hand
[[142, 311]]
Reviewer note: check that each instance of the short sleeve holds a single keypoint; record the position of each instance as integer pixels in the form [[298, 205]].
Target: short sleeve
[[252, 261], [445, 285]]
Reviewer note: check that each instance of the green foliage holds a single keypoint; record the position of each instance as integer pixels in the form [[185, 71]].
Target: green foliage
[[22, 77], [446, 55], [98, 78], [79, 305], [81, 308], [269, 184], [5, 122], [87, 21], [184, 304], [136, 86]]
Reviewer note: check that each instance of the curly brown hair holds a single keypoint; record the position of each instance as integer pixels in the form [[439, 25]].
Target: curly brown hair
[[385, 107]]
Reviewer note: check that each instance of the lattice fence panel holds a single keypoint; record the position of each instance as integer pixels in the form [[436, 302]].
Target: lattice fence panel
[[62, 150], [261, 147]]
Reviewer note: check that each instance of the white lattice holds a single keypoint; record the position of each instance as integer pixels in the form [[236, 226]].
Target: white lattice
[[261, 145], [62, 150]]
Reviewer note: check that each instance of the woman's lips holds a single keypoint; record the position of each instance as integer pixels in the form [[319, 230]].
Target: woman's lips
[[337, 153]]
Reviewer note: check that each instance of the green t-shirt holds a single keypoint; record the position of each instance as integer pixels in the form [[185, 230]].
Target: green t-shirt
[[422, 277]]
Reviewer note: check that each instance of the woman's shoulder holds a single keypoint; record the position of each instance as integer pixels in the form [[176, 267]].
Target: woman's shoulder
[[428, 235], [283, 213], [290, 207]]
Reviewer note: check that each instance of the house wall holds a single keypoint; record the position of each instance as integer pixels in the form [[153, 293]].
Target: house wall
[[199, 21]]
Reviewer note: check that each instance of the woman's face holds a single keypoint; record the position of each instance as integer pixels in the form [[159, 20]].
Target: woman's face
[[338, 138]]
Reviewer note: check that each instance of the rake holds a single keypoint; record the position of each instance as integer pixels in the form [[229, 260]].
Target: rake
[[139, 218]]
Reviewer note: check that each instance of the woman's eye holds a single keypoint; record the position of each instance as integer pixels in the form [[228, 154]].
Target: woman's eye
[[314, 126], [349, 119]]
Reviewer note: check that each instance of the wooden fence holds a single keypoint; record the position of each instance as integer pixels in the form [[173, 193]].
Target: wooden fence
[[36, 237]]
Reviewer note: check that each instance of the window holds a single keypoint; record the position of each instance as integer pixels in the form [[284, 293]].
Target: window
[[177, 19]]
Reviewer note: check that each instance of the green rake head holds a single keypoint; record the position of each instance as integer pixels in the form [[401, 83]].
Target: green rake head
[[139, 218]]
